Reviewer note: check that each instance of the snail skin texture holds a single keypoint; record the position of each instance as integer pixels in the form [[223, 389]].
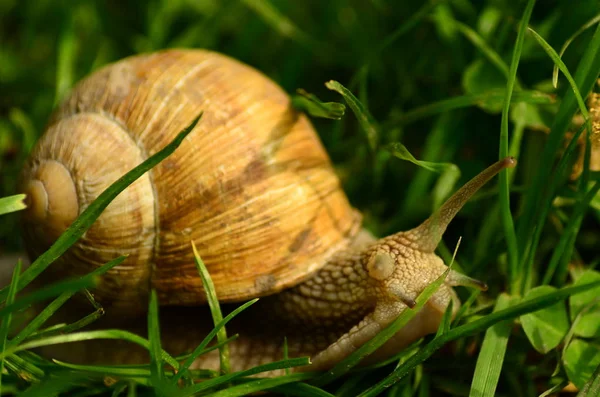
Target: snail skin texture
[[253, 188]]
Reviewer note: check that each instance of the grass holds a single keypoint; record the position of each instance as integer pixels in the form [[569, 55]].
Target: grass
[[435, 91]]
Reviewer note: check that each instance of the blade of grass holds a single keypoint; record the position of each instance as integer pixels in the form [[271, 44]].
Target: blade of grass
[[281, 23], [400, 151], [563, 68], [356, 356], [12, 204], [582, 29], [110, 370], [68, 286], [301, 390], [50, 309], [463, 101], [83, 322], [592, 386], [311, 104], [560, 175], [156, 365], [93, 211], [66, 58], [47, 292], [200, 348], [215, 310], [366, 121], [89, 335], [212, 383], [484, 48], [5, 327], [404, 28], [473, 327], [504, 195], [567, 238], [491, 355], [585, 77]]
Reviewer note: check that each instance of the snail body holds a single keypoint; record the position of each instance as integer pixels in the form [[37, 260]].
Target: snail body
[[253, 188]]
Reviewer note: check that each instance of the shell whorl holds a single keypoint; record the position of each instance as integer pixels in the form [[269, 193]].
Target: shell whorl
[[77, 158]]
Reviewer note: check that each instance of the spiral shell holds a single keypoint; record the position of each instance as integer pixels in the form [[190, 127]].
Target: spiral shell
[[252, 185]]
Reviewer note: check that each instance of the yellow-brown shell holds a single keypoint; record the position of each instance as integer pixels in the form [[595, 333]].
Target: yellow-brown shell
[[252, 185]]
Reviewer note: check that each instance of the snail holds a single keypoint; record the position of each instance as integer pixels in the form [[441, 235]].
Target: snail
[[252, 187]]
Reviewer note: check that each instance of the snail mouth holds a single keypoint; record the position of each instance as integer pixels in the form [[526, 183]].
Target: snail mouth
[[51, 199]]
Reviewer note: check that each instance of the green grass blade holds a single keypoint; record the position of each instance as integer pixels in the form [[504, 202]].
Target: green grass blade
[[585, 77], [491, 355], [156, 365], [212, 383], [504, 183], [5, 327], [93, 211], [483, 47], [585, 27], [567, 238], [111, 370], [404, 28], [484, 99], [215, 310], [592, 386], [400, 151], [66, 59], [47, 292], [89, 335], [301, 390], [280, 23], [41, 318], [316, 108], [366, 121], [200, 348], [472, 328], [563, 68], [68, 286], [12, 204], [356, 356], [560, 175]]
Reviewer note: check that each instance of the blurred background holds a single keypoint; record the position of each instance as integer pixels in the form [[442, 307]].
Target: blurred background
[[432, 74]]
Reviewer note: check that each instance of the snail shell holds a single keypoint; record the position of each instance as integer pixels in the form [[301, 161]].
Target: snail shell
[[252, 186]]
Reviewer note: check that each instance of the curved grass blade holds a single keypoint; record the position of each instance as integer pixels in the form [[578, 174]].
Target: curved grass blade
[[504, 182], [93, 211], [89, 335], [301, 390], [200, 348], [592, 386], [156, 364], [315, 107], [567, 238], [5, 327], [110, 370], [563, 68], [366, 121], [12, 204], [281, 23], [463, 101], [215, 310], [491, 355], [472, 328], [252, 386], [47, 292], [582, 29], [585, 76]]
